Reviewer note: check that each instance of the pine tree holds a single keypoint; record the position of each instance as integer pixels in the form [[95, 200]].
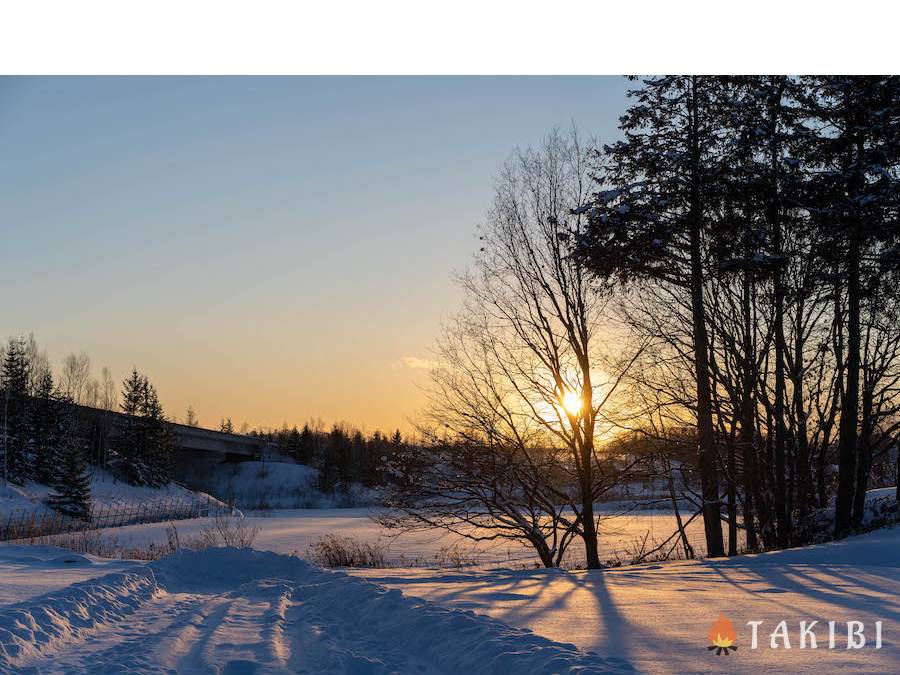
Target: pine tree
[[306, 445], [655, 219], [48, 428], [130, 447], [763, 188], [71, 482], [145, 444], [17, 412], [158, 454], [853, 158]]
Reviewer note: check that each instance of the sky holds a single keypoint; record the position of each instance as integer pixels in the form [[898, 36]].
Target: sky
[[266, 249]]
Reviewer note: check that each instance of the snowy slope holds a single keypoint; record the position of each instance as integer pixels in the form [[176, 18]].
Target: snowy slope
[[242, 611], [106, 493], [274, 484]]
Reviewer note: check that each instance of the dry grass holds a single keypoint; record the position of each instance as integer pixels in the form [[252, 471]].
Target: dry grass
[[334, 551], [225, 531]]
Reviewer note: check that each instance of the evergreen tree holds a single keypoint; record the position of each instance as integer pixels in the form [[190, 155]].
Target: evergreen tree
[[761, 199], [144, 448], [306, 445], [71, 481], [17, 412], [158, 457], [656, 218], [853, 155], [130, 447], [48, 427]]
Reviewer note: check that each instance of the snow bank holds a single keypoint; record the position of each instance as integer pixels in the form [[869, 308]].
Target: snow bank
[[32, 627], [258, 485], [874, 549], [277, 485], [342, 607], [210, 610]]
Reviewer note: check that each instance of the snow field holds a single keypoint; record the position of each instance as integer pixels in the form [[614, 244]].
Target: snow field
[[241, 611], [656, 616]]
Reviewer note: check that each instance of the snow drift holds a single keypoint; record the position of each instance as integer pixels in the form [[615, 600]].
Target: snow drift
[[30, 628], [292, 616]]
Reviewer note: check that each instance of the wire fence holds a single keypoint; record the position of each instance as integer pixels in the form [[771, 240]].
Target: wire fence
[[39, 523]]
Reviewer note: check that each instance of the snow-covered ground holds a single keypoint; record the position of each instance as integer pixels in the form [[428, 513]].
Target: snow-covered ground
[[236, 611], [231, 611], [291, 531], [107, 494], [624, 529], [253, 484], [657, 616], [28, 571], [274, 484]]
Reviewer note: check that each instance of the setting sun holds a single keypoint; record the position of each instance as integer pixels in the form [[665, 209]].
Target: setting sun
[[572, 402]]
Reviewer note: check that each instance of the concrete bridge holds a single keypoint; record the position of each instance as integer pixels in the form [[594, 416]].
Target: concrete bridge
[[197, 450], [207, 440]]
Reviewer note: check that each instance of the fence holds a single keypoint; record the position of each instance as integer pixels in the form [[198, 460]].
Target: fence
[[31, 524]]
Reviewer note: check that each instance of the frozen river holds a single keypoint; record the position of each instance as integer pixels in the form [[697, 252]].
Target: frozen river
[[292, 531]]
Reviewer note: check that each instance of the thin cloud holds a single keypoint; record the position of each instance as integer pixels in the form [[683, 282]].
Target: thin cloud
[[415, 363]]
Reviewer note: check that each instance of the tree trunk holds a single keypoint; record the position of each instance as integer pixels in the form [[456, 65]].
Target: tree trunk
[[589, 527], [767, 478], [774, 218], [688, 549], [732, 499], [706, 439], [850, 402], [804, 471], [748, 419], [864, 460]]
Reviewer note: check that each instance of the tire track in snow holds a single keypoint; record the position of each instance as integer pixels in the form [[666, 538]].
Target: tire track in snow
[[242, 612]]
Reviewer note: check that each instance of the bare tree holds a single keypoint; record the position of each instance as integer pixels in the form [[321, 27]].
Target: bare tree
[[529, 337], [482, 470], [109, 393], [75, 376], [190, 417], [38, 364], [91, 393]]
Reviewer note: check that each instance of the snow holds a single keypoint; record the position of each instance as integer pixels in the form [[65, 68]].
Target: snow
[[236, 611], [292, 530], [107, 493], [276, 483], [27, 571], [656, 616], [34, 627], [243, 611]]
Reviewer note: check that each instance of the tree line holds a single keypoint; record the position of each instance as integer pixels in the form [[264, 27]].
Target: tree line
[[45, 440], [722, 279], [342, 455]]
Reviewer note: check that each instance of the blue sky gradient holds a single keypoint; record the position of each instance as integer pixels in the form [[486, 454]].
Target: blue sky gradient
[[268, 249]]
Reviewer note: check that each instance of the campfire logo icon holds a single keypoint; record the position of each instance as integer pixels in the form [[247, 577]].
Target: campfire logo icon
[[722, 636]]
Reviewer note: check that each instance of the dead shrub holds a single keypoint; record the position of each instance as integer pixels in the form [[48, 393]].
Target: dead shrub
[[334, 551]]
